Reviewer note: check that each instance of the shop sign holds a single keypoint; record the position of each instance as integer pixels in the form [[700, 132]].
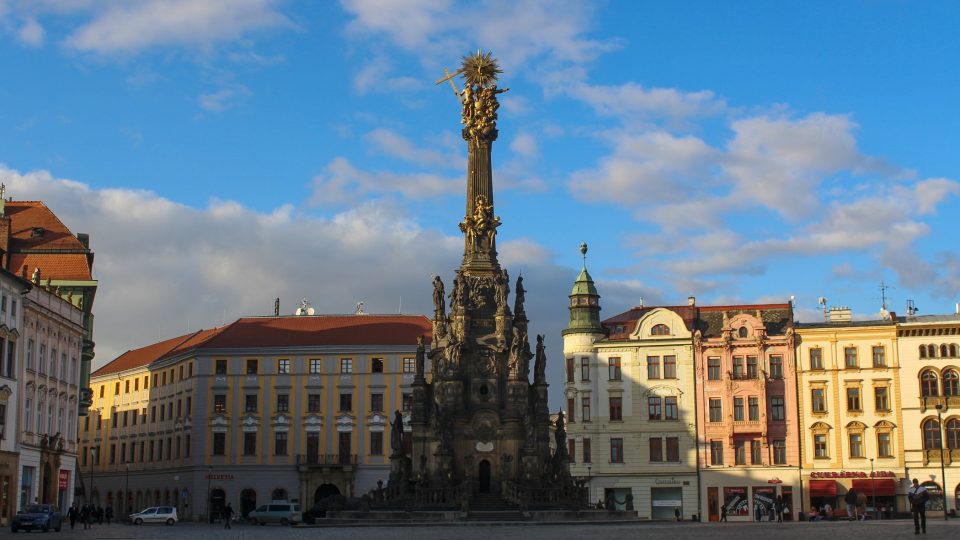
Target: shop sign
[[670, 503], [64, 479], [774, 480], [668, 481], [218, 477], [852, 474]]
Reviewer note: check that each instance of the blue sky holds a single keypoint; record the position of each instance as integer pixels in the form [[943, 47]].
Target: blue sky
[[224, 153]]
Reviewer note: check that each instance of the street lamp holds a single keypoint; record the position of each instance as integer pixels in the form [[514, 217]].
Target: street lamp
[[943, 472], [873, 489], [93, 457], [126, 494]]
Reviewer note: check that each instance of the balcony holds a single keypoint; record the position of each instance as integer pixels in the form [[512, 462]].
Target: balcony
[[748, 427], [326, 459]]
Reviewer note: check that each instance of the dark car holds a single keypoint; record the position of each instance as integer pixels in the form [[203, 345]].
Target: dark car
[[37, 516]]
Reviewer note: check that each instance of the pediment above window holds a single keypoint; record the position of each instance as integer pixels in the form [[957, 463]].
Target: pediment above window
[[820, 426]]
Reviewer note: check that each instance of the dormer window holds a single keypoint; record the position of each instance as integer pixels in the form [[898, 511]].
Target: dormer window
[[660, 330], [618, 329], [37, 232], [742, 332]]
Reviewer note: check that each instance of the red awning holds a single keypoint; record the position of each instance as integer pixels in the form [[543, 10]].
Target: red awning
[[823, 488], [883, 487]]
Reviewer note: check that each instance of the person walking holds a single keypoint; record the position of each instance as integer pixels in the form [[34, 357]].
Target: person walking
[[851, 501], [723, 512], [862, 505], [778, 506], [227, 516], [85, 516], [72, 515], [918, 497]]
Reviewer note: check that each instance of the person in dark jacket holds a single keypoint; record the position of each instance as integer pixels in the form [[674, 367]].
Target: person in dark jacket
[[72, 514], [227, 516], [918, 496], [851, 499]]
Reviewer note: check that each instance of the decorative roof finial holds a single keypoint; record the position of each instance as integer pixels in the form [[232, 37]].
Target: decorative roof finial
[[583, 250]]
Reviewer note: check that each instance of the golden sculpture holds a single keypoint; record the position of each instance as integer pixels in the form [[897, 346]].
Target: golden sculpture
[[482, 224], [479, 95]]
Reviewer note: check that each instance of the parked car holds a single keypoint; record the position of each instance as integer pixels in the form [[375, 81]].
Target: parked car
[[37, 516], [284, 513], [155, 514]]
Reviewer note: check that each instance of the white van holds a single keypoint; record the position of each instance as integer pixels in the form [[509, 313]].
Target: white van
[[282, 512]]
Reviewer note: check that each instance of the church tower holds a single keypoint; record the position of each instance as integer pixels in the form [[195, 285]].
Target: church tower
[[478, 424], [584, 302]]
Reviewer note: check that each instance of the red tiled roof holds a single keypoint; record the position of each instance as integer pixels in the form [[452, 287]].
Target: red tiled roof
[[65, 266], [287, 331], [25, 216], [629, 319], [745, 307]]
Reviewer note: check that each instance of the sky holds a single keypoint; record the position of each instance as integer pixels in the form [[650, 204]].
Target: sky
[[223, 154]]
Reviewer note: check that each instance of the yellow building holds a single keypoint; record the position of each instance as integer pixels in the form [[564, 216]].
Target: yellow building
[[264, 408], [929, 348], [852, 434]]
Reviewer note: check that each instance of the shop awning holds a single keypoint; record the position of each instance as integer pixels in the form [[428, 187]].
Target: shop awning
[[823, 488], [882, 487]]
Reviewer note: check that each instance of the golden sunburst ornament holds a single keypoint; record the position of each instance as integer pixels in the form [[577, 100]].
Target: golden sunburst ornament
[[480, 69]]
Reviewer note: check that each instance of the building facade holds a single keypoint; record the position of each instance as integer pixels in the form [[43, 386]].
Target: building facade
[[264, 408], [748, 430], [929, 352], [11, 323], [852, 435]]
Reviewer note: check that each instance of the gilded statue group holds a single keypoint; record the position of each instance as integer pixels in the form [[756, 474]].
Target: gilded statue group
[[479, 116]]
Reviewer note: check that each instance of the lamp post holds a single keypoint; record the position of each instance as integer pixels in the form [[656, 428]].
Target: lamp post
[[943, 471], [589, 478], [126, 494], [93, 457], [873, 489]]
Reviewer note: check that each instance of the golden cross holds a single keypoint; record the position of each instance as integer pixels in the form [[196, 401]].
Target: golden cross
[[449, 77]]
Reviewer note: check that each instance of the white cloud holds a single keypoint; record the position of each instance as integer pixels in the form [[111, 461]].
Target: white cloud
[[341, 182], [393, 144], [525, 145], [225, 98], [374, 77], [636, 102], [31, 33]]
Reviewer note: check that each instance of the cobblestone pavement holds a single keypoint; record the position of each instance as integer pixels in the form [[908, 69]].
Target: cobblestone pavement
[[503, 531]]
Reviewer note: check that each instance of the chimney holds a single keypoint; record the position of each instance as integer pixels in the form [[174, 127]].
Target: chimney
[[840, 314], [4, 239], [84, 239], [691, 300]]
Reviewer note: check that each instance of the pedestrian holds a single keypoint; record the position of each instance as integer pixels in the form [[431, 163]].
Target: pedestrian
[[758, 512], [723, 512], [85, 516], [227, 516], [778, 506], [851, 499], [918, 496], [827, 512], [862, 505], [676, 513], [72, 515], [109, 514], [99, 515]]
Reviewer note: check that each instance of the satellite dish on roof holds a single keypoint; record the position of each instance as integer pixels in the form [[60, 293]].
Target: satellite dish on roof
[[304, 309]]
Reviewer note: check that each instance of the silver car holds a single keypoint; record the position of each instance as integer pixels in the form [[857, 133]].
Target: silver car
[[155, 514], [284, 513]]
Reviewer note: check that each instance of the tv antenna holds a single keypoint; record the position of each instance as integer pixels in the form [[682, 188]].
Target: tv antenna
[[304, 309], [823, 305]]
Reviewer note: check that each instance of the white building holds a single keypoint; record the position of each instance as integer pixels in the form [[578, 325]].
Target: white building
[[11, 317]]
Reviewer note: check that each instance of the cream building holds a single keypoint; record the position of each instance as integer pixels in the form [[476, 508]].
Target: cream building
[[850, 411], [929, 350]]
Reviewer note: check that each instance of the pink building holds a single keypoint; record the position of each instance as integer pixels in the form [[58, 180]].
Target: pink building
[[748, 444]]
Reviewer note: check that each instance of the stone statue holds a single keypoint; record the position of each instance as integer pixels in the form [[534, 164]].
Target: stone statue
[[439, 297], [421, 356], [561, 435], [276, 307], [396, 435], [540, 364], [502, 290], [518, 303], [458, 294]]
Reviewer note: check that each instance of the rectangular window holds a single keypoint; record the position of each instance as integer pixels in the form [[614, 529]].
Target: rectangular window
[[280, 443], [283, 367], [571, 405], [740, 452], [113, 454], [778, 409], [123, 452], [315, 364], [572, 450], [673, 449], [126, 387], [879, 357], [346, 365], [313, 403], [880, 400], [189, 406], [816, 358], [716, 410], [162, 410], [713, 368], [614, 368], [670, 367], [283, 402], [376, 365], [220, 368], [376, 402], [820, 446], [153, 446], [219, 444], [817, 400], [779, 452], [616, 408], [653, 367], [753, 412], [654, 408], [756, 456], [850, 357], [406, 401], [853, 399], [585, 368], [249, 444], [883, 445], [776, 366], [126, 416], [346, 402], [752, 367], [219, 405], [738, 409], [113, 417], [616, 450], [716, 452], [670, 409], [250, 403], [409, 365], [376, 443], [738, 370], [585, 409], [656, 449], [251, 367], [586, 450], [856, 445], [569, 370]]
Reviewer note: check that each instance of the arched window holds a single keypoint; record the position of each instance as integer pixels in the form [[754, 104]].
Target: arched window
[[742, 332], [278, 495], [923, 351], [660, 330], [951, 383], [931, 435], [943, 350], [953, 350], [953, 434], [932, 351], [928, 384]]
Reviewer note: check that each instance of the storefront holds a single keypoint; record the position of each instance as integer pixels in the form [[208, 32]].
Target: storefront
[[829, 488], [665, 502], [749, 497], [8, 486]]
